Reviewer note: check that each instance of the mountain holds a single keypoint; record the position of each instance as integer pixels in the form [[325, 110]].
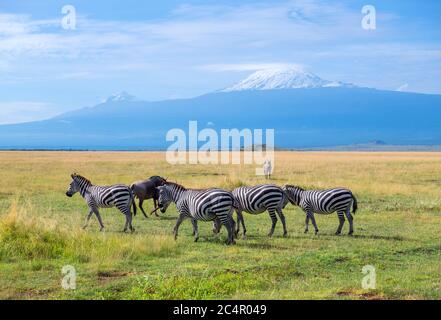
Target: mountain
[[284, 78], [320, 115], [120, 96]]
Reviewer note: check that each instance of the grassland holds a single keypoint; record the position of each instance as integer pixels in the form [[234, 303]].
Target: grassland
[[397, 230]]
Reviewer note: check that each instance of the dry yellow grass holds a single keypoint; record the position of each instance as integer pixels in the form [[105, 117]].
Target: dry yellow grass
[[396, 229], [379, 172]]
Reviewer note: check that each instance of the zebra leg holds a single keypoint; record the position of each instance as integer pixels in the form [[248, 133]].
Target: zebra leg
[[233, 225], [240, 220], [311, 216], [98, 216], [273, 217], [307, 223], [350, 219], [178, 223], [86, 223], [282, 218], [227, 220], [238, 214], [141, 201], [128, 214], [195, 230], [130, 222], [126, 225], [341, 219], [216, 226], [229, 224]]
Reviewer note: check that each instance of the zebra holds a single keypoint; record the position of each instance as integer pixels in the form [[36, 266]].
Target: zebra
[[258, 199], [203, 204], [118, 195], [324, 202]]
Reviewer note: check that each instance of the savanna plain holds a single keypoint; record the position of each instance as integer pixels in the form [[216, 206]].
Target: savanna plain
[[397, 231]]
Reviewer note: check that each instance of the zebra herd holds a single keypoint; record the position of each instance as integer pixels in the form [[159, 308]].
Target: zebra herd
[[218, 205]]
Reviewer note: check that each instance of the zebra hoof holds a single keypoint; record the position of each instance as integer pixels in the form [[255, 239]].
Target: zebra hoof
[[351, 233], [196, 239], [102, 229], [285, 235], [316, 233], [337, 233], [306, 231]]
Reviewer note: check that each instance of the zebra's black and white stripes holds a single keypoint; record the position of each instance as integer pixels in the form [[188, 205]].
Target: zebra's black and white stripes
[[217, 205], [258, 199], [324, 202], [205, 204], [96, 197]]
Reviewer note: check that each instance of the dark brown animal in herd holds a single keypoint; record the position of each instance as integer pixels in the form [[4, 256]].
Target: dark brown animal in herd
[[146, 189]]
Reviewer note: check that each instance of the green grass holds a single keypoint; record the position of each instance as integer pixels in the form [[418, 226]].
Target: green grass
[[397, 231]]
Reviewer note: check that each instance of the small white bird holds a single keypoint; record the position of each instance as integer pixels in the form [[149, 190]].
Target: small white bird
[[267, 168]]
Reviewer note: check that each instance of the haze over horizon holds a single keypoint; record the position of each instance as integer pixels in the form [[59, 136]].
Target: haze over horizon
[[184, 49]]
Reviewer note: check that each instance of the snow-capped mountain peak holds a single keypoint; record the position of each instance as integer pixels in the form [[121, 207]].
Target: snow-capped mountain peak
[[283, 78], [120, 96]]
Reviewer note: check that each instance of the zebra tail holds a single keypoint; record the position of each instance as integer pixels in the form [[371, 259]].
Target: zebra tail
[[236, 204], [132, 187], [354, 204]]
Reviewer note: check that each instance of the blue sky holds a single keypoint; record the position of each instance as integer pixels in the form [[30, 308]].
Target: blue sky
[[174, 49]]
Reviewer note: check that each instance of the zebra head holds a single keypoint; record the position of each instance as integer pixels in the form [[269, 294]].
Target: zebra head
[[74, 186], [165, 197], [78, 184], [293, 193]]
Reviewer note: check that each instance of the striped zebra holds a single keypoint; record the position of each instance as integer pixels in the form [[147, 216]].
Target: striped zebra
[[324, 202], [96, 197], [258, 199], [204, 204]]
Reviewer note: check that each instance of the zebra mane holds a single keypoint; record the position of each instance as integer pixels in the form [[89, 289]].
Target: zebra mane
[[169, 183], [81, 178], [294, 187], [180, 186]]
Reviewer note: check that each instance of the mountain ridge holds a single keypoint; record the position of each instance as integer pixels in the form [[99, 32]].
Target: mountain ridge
[[302, 118], [284, 78]]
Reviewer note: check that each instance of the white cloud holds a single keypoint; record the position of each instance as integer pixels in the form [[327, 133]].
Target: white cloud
[[249, 66], [76, 75], [203, 38], [189, 27], [190, 32]]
